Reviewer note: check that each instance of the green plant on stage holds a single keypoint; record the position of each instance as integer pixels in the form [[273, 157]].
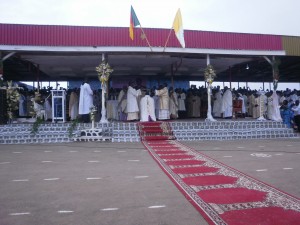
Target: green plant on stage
[[36, 125], [72, 127]]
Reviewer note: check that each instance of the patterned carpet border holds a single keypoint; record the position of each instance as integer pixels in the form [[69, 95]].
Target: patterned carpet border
[[213, 212]]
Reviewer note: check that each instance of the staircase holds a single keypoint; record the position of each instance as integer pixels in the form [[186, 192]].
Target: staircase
[[47, 133], [20, 133], [231, 130], [154, 131]]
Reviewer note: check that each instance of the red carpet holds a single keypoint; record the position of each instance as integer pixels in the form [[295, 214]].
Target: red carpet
[[155, 131], [221, 194]]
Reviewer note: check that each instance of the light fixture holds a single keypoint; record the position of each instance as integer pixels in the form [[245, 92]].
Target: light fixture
[[247, 67]]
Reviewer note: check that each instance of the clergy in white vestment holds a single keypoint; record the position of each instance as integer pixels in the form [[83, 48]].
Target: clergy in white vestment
[[85, 101], [240, 97], [22, 105], [282, 98], [163, 94], [173, 104], [270, 105], [256, 106], [73, 105], [275, 113], [147, 108], [250, 103], [181, 103], [195, 105], [227, 103], [48, 109], [262, 105], [122, 104], [132, 107], [217, 106]]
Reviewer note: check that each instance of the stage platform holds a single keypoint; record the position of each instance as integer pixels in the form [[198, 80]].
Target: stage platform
[[115, 131]]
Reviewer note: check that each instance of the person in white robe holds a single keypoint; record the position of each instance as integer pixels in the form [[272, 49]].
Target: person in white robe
[[240, 97], [181, 103], [163, 94], [282, 98], [245, 104], [173, 104], [250, 103], [262, 103], [227, 103], [22, 105], [270, 105], [132, 107], [122, 104], [147, 108], [48, 109], [275, 113], [195, 105], [217, 104], [256, 108], [73, 105], [85, 101]]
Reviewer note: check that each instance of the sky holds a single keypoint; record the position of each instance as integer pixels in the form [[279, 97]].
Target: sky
[[280, 17]]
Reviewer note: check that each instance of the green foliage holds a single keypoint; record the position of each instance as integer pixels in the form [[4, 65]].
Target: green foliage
[[72, 127], [36, 125]]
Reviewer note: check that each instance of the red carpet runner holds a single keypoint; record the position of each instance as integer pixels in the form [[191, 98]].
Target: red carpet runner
[[155, 131], [222, 194]]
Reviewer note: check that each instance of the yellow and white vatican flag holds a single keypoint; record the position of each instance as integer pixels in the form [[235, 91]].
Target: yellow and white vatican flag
[[178, 28]]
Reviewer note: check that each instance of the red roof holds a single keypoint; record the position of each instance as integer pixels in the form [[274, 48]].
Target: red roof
[[53, 35]]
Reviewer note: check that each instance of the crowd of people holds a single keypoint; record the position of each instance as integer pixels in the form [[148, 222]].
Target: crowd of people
[[135, 102]]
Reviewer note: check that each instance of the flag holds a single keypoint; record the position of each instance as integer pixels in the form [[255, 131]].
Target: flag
[[178, 28], [134, 21]]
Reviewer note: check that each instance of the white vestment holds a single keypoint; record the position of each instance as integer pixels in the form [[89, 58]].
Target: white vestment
[[147, 109], [227, 104], [22, 105], [256, 109], [181, 102], [122, 101], [217, 104], [243, 104], [48, 109], [275, 115], [86, 99], [73, 106], [173, 105], [132, 104]]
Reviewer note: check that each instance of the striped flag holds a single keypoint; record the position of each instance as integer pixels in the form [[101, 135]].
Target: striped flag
[[134, 21], [178, 28]]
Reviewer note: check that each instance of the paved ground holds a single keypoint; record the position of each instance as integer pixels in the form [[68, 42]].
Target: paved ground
[[120, 183], [88, 183], [275, 162]]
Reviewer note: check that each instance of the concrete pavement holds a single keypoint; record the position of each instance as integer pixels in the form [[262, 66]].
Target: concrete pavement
[[120, 184]]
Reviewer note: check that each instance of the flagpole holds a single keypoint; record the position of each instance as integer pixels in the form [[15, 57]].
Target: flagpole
[[146, 38], [168, 39]]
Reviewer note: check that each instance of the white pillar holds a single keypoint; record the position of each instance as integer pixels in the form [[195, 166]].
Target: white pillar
[[103, 110], [209, 115]]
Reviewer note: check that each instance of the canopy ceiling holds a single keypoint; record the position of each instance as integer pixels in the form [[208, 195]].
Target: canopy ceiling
[[61, 66]]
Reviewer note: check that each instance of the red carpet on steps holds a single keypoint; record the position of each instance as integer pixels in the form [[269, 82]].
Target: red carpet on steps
[[220, 193], [155, 131]]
